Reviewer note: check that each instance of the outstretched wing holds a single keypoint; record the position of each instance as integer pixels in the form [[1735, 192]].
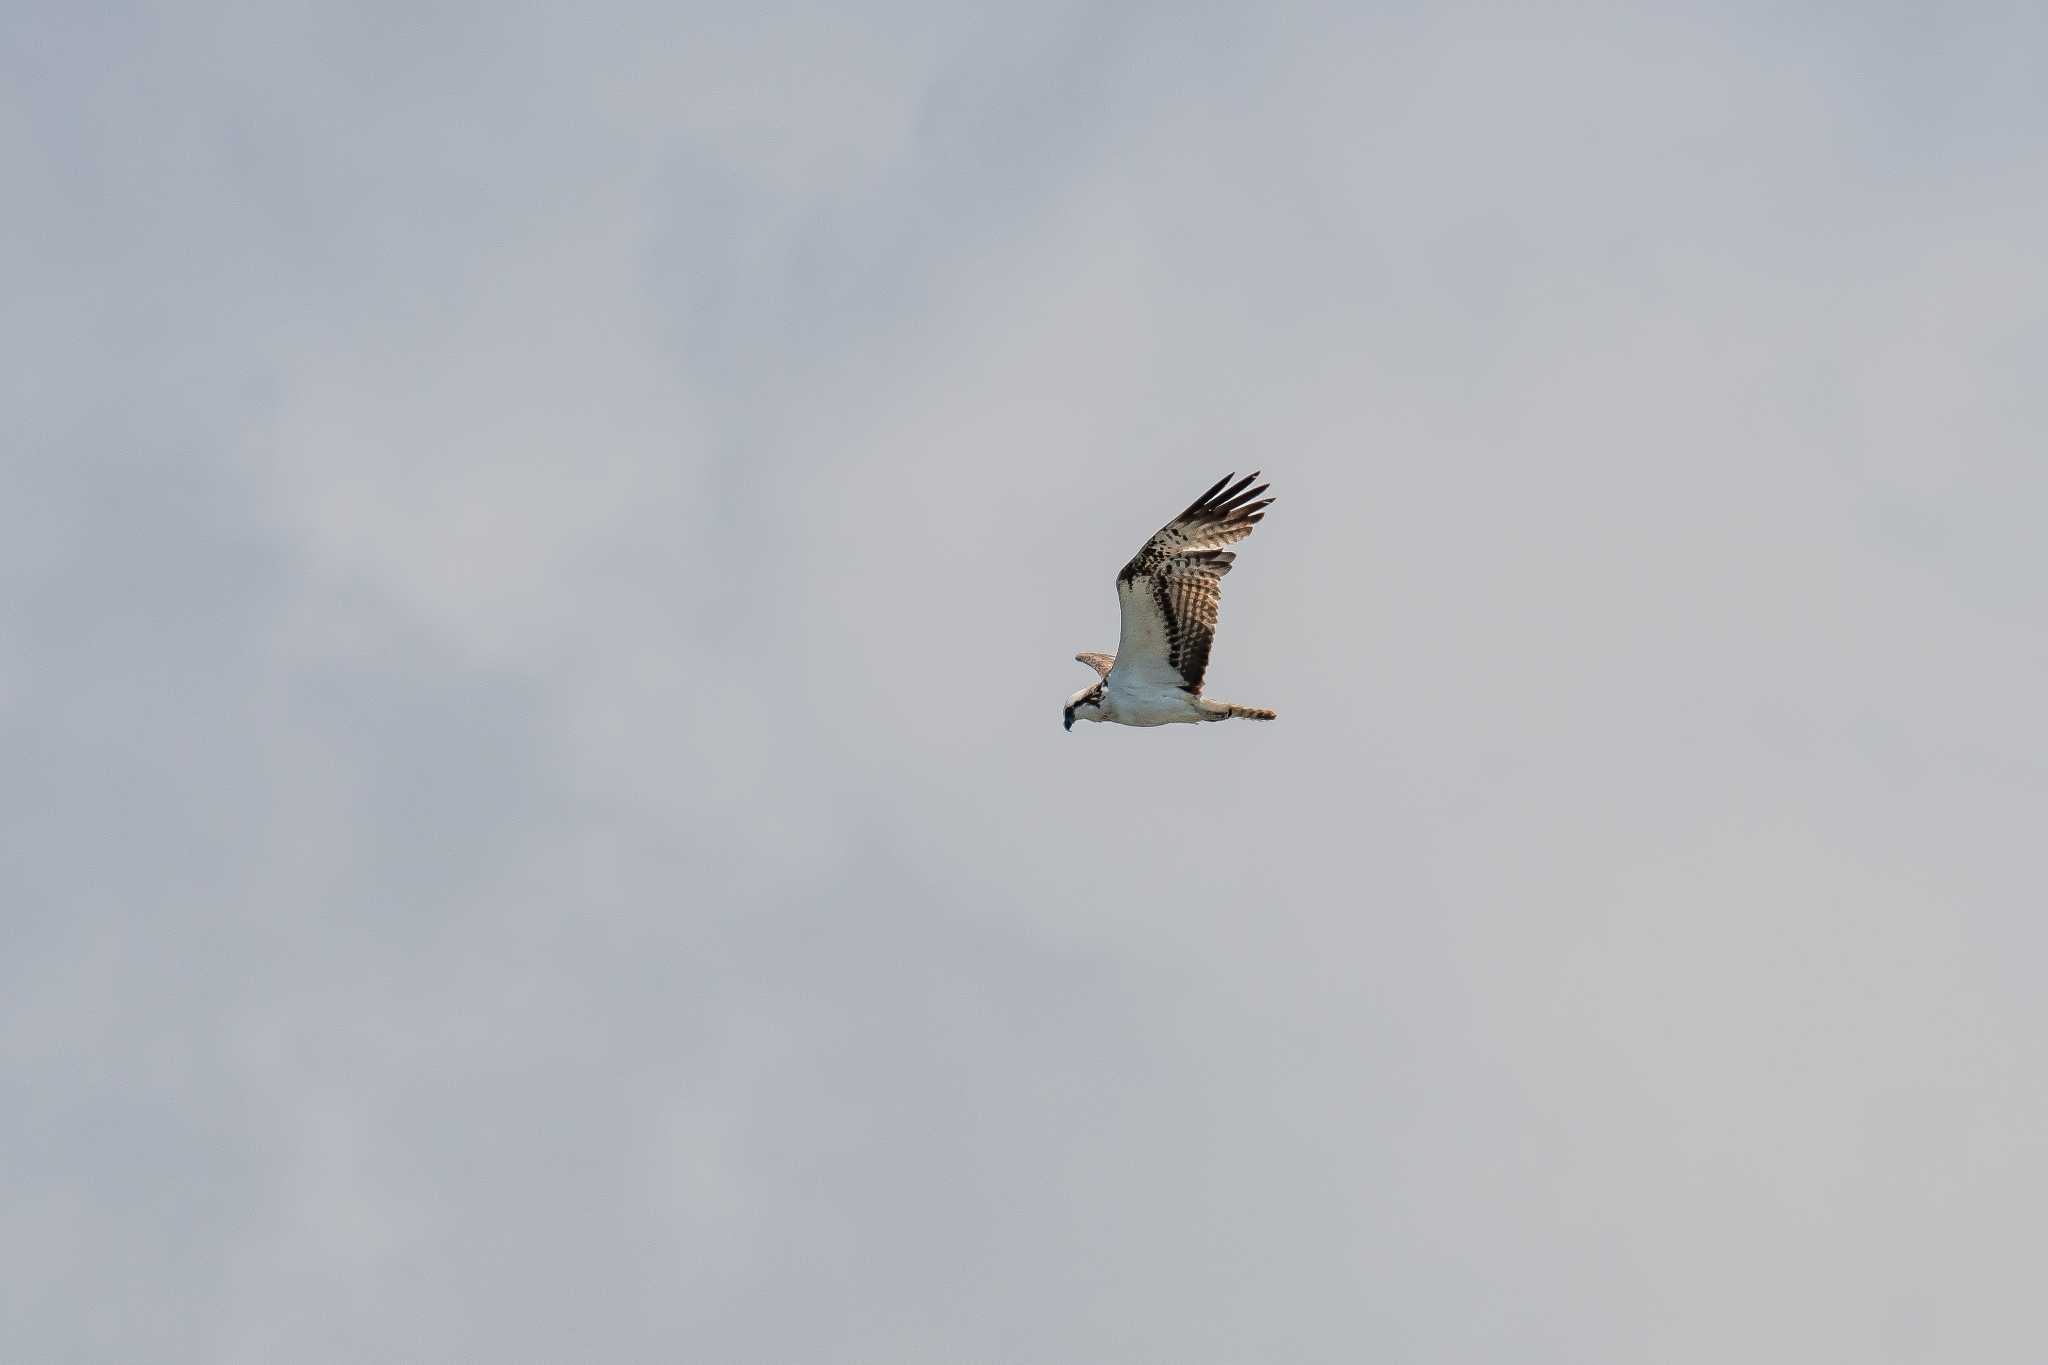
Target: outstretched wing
[[1170, 590], [1101, 663]]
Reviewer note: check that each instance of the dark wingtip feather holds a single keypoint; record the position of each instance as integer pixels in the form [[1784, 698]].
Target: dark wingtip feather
[[1199, 503], [1226, 501]]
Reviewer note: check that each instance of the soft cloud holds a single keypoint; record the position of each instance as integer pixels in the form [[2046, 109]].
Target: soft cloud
[[548, 557]]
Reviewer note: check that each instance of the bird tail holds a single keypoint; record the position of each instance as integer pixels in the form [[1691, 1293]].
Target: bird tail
[[1250, 712]]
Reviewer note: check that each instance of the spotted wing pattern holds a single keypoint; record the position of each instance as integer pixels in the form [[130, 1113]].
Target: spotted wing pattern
[[1171, 589]]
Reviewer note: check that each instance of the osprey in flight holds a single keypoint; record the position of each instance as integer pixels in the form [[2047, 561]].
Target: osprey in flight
[[1169, 593]]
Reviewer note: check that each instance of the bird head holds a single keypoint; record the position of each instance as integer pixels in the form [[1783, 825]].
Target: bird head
[[1084, 705]]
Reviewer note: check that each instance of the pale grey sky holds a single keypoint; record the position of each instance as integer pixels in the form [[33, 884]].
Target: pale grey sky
[[541, 555]]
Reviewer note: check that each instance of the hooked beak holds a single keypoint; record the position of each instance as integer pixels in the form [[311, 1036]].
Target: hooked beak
[[1070, 720]]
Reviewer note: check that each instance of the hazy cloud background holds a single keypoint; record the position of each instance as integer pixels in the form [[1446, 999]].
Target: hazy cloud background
[[540, 556]]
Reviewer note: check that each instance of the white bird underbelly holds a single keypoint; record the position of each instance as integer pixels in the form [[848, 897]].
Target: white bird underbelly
[[1142, 705]]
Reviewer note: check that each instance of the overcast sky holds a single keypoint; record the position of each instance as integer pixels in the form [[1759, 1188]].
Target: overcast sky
[[539, 557]]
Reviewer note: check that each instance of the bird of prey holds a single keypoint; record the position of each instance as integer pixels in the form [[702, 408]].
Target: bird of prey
[[1169, 593]]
